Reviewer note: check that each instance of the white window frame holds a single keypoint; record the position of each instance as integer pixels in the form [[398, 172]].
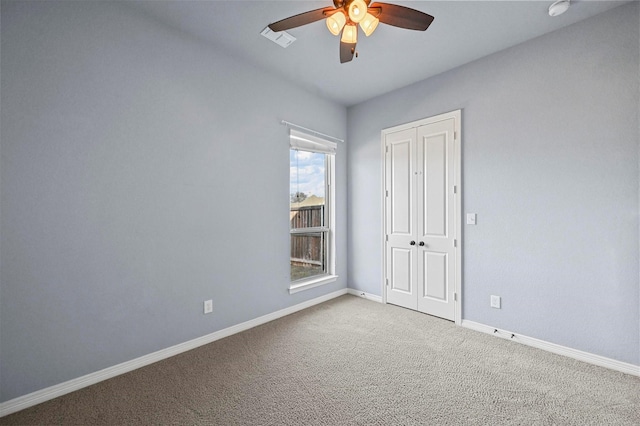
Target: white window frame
[[306, 142]]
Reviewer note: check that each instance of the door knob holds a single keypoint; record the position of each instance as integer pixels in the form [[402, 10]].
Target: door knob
[[421, 243], [413, 243]]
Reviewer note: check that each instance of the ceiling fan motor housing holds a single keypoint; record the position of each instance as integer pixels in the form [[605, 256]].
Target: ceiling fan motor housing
[[345, 3]]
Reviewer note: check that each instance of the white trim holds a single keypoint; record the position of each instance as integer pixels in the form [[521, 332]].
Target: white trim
[[587, 357], [365, 295], [457, 116], [309, 131], [310, 230], [457, 203], [60, 389], [430, 120], [383, 206], [328, 229], [311, 283]]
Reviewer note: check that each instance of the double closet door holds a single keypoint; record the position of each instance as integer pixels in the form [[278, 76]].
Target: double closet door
[[420, 216]]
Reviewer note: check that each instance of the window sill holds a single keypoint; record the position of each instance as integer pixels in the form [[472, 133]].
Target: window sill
[[311, 283]]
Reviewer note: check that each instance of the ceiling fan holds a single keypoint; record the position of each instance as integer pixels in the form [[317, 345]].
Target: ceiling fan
[[347, 14]]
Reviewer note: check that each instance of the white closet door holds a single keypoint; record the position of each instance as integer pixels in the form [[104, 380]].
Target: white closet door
[[401, 220], [435, 211], [422, 217]]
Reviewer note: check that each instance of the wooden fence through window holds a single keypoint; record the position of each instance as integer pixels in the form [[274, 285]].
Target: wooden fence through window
[[307, 249]]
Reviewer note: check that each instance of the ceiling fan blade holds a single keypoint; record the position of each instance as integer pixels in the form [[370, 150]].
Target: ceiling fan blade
[[300, 19], [347, 50], [403, 17]]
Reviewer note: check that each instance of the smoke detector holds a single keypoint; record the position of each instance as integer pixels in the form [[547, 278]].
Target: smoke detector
[[559, 7]]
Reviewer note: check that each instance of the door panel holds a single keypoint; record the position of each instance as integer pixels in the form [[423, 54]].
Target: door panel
[[401, 219], [435, 275], [401, 187], [435, 195], [437, 292], [434, 166], [401, 268]]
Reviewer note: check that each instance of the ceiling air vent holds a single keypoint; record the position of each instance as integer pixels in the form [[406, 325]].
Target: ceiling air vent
[[282, 38]]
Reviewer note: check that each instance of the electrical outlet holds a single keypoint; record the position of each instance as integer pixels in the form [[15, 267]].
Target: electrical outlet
[[495, 302], [208, 306]]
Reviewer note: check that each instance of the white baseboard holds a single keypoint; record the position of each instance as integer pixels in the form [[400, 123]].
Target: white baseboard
[[365, 295], [37, 397], [556, 349]]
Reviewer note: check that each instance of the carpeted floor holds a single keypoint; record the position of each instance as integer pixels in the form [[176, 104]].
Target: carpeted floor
[[350, 361]]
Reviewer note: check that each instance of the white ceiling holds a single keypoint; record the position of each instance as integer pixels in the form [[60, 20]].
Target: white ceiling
[[390, 58]]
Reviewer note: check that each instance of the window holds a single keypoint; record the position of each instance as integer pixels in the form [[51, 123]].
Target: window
[[311, 211]]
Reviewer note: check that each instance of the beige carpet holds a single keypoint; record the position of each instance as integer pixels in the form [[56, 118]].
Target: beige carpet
[[354, 362]]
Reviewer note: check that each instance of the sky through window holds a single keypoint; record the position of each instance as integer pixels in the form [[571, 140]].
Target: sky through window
[[307, 173]]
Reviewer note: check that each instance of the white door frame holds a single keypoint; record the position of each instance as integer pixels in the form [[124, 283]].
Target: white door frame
[[457, 116]]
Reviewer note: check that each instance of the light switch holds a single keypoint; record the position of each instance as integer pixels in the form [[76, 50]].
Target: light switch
[[471, 218]]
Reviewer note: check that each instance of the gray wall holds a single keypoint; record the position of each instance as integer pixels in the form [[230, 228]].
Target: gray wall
[[550, 165], [142, 173]]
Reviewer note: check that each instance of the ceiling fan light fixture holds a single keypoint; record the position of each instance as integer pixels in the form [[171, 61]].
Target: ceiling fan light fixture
[[350, 34], [357, 10], [369, 24], [336, 22]]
